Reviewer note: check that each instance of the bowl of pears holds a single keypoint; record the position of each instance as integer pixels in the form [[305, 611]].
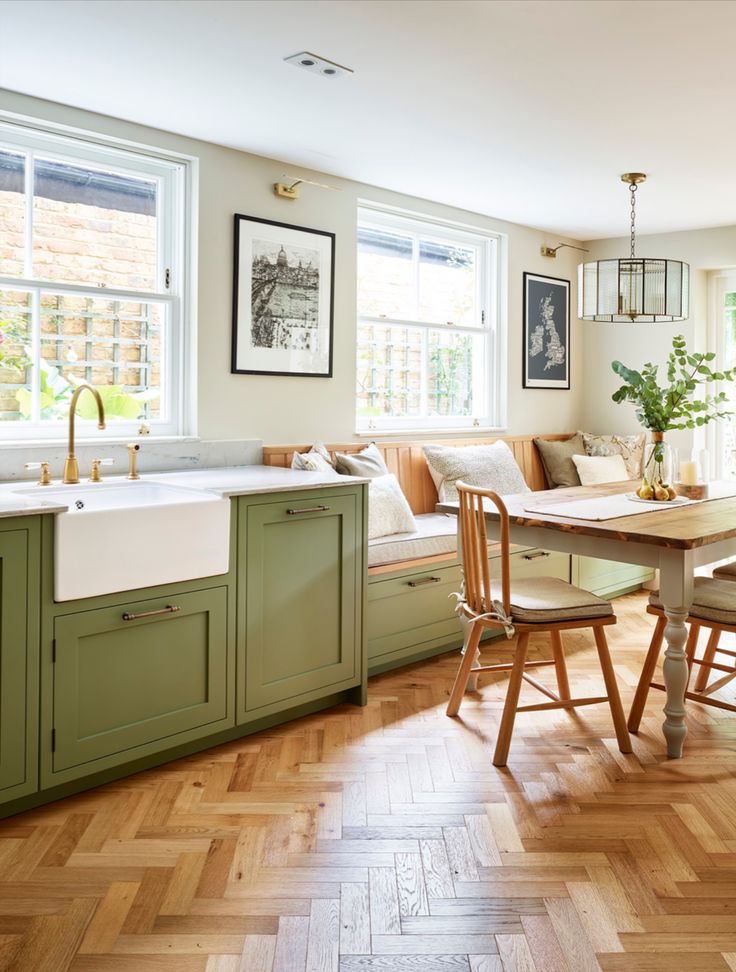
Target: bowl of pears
[[656, 491]]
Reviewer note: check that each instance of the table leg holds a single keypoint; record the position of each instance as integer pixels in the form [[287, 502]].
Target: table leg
[[676, 593], [466, 628]]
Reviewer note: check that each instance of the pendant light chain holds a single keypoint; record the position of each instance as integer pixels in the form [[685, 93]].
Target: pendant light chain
[[632, 189]]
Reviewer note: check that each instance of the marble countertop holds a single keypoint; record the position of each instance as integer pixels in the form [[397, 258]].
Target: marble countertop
[[226, 481]]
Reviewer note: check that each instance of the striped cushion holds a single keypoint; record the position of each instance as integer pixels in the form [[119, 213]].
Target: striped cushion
[[713, 600]]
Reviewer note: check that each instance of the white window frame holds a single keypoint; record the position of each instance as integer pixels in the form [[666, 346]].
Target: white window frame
[[176, 180], [491, 308], [713, 435]]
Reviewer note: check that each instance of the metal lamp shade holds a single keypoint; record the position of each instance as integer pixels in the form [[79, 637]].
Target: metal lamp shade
[[643, 290]]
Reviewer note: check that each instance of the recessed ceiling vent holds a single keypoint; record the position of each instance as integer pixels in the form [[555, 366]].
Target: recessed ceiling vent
[[318, 65]]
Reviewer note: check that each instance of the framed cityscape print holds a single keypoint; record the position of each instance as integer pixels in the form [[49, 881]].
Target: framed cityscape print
[[546, 332], [283, 292]]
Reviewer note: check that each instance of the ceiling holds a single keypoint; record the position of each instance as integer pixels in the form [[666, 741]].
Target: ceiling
[[519, 109]]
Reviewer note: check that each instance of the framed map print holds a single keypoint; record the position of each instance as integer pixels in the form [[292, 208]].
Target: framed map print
[[283, 288], [546, 332]]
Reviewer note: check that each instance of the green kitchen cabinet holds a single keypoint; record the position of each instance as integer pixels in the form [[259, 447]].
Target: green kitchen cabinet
[[300, 598], [608, 578], [19, 555], [130, 679]]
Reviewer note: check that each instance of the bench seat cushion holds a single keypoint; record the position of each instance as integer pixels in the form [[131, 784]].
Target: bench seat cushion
[[436, 533]]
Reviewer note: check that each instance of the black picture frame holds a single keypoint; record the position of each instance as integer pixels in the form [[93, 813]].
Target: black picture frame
[[544, 348], [267, 336]]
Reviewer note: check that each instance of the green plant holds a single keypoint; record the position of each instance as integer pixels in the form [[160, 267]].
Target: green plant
[[13, 333], [673, 406], [56, 392]]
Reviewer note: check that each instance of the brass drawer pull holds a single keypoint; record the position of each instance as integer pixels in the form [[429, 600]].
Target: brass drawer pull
[[423, 581], [537, 555], [169, 609], [308, 509]]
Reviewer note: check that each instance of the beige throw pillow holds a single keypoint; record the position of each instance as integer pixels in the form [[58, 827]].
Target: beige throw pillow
[[557, 460], [490, 466], [601, 469], [317, 459], [631, 447], [367, 463]]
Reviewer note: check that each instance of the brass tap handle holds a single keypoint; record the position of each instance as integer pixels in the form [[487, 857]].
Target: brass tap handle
[[133, 448], [95, 476], [45, 477]]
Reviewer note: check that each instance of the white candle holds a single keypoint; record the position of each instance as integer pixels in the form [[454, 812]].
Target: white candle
[[689, 473]]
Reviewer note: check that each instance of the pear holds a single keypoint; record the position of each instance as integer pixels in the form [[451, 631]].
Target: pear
[[645, 491], [672, 492], [660, 493]]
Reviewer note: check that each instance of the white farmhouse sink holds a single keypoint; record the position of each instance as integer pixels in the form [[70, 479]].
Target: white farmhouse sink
[[121, 536]]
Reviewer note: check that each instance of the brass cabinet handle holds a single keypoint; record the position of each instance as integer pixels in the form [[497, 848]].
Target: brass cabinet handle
[[169, 609], [308, 509], [537, 555], [423, 581]]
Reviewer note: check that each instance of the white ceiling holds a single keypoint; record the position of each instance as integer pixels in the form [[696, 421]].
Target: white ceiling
[[520, 109]]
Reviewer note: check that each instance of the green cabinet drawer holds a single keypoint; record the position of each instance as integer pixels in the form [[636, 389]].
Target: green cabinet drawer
[[299, 598], [608, 577], [134, 678], [18, 662], [411, 615]]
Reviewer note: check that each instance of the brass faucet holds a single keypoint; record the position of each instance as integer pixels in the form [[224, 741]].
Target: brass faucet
[[71, 467]]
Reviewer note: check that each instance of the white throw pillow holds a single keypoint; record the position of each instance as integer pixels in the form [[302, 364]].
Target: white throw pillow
[[388, 510], [601, 469], [489, 466]]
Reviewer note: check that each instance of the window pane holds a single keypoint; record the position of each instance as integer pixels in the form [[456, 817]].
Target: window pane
[[447, 284], [389, 371], [12, 214], [386, 279], [450, 380], [115, 345], [93, 227], [15, 341], [730, 342]]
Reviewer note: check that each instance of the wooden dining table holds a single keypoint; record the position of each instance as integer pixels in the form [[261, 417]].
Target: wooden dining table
[[675, 540]]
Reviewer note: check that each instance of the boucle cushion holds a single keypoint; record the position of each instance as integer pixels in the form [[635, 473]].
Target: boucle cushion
[[549, 599], [557, 460], [713, 600], [601, 469], [367, 463], [388, 510], [488, 466], [725, 572], [317, 459], [631, 447]]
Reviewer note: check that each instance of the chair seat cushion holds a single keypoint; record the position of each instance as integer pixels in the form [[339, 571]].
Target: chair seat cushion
[[713, 600], [725, 572], [538, 600]]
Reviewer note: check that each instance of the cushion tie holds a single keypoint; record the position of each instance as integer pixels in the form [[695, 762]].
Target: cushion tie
[[496, 613]]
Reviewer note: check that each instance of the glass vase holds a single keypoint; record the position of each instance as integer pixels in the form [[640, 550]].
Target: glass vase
[[659, 460]]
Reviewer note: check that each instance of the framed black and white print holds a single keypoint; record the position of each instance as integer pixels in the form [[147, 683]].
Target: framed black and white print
[[283, 291], [546, 332]]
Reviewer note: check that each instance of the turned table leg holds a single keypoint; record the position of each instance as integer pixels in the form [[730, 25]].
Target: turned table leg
[[676, 593]]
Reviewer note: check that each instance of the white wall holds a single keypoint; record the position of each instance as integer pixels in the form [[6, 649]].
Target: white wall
[[281, 410], [634, 344]]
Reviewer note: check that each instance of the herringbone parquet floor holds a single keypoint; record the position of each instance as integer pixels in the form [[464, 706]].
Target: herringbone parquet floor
[[383, 839]]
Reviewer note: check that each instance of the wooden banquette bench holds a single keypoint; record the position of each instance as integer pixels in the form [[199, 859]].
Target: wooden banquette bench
[[410, 615]]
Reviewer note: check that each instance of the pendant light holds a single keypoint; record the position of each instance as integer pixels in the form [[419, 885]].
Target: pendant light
[[639, 289]]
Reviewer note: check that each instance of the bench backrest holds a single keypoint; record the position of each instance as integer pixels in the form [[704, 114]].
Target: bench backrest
[[407, 462]]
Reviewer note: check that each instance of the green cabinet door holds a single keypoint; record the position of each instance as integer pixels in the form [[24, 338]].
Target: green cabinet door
[[18, 665], [300, 599], [128, 678]]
